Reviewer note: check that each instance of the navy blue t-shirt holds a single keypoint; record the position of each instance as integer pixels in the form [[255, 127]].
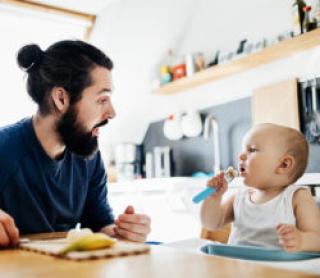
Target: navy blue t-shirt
[[47, 195]]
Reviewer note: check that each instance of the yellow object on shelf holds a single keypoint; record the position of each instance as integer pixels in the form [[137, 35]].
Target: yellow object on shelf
[[164, 69]]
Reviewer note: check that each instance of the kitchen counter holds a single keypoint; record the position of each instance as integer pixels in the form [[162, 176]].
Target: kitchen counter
[[160, 262], [168, 201]]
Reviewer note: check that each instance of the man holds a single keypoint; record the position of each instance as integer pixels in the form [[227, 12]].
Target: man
[[52, 174]]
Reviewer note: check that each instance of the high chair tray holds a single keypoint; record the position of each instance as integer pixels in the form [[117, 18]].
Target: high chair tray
[[256, 253]]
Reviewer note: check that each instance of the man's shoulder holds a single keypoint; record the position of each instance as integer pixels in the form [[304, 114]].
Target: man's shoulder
[[11, 136], [12, 145]]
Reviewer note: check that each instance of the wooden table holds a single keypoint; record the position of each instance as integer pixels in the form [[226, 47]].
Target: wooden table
[[160, 262]]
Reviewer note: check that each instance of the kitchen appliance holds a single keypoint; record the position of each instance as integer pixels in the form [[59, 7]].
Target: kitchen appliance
[[162, 162], [149, 165], [309, 101], [128, 161]]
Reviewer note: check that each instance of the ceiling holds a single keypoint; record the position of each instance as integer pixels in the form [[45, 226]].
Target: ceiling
[[85, 6]]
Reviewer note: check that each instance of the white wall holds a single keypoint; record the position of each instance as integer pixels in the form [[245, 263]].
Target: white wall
[[137, 34], [18, 28]]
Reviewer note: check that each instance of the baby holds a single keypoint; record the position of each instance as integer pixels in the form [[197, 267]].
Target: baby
[[270, 210]]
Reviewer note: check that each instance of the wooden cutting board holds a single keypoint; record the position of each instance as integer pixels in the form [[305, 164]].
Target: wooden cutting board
[[277, 103], [53, 246]]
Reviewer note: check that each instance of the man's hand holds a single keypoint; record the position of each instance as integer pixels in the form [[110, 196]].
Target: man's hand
[[132, 226], [9, 234], [290, 237]]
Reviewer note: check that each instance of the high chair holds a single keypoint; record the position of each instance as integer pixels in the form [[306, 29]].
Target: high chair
[[221, 235]]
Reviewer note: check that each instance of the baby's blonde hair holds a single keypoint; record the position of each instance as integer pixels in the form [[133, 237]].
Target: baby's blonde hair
[[297, 147]]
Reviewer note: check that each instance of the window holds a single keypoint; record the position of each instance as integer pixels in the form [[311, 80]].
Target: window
[[17, 28]]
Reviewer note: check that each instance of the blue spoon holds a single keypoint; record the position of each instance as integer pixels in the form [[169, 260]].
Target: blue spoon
[[204, 194]]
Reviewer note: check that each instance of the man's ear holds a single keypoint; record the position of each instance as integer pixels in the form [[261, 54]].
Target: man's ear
[[60, 99], [286, 164]]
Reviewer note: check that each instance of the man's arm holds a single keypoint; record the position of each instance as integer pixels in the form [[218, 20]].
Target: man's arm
[[98, 213]]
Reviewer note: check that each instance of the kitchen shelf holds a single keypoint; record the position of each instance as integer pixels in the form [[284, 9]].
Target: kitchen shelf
[[272, 53]]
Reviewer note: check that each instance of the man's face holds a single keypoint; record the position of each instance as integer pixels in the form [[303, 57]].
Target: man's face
[[79, 125]]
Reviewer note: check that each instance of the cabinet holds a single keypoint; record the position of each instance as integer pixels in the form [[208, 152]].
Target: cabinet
[[275, 52], [276, 103]]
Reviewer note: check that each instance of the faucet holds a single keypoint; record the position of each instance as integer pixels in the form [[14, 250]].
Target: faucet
[[211, 121]]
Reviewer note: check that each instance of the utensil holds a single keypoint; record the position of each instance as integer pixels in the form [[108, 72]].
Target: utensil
[[203, 195], [229, 175]]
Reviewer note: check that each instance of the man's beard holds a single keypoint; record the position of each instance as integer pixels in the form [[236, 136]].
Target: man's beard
[[74, 135]]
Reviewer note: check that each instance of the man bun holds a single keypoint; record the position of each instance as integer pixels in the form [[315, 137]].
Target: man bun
[[29, 56]]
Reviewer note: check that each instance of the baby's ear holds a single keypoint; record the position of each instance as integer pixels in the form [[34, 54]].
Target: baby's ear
[[286, 165]]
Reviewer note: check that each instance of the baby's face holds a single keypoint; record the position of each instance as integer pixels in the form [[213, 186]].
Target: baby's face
[[261, 154]]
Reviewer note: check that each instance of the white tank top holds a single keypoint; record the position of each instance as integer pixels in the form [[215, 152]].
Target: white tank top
[[255, 224]]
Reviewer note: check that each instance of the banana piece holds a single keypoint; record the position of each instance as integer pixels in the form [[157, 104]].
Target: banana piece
[[89, 242], [74, 234], [230, 174]]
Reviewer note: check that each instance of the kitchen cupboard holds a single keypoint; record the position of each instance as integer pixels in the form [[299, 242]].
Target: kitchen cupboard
[[276, 103]]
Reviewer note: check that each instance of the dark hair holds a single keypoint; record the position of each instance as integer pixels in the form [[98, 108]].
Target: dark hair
[[65, 64]]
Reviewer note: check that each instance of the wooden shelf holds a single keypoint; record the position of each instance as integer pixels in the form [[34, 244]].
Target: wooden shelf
[[275, 52]]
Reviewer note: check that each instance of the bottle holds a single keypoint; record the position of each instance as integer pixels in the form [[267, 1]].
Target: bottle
[[200, 61], [166, 68], [298, 16], [308, 25], [165, 74], [190, 64], [149, 165], [306, 20], [317, 13], [179, 69]]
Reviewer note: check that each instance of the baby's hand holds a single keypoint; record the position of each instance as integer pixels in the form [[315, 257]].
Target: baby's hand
[[289, 237], [219, 183]]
